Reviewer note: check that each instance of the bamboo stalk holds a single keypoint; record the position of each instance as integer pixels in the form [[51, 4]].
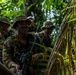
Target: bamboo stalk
[[64, 25]]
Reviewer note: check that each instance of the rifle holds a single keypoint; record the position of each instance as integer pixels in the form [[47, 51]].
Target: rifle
[[25, 59]]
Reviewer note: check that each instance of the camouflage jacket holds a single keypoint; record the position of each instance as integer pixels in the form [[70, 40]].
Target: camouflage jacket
[[13, 48], [43, 40], [1, 47]]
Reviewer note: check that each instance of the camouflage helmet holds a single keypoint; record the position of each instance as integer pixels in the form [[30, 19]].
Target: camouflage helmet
[[21, 18], [4, 24], [47, 24]]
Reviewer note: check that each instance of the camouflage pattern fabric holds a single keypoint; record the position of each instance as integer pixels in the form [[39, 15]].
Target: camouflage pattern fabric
[[13, 48], [22, 18], [47, 24], [1, 47], [4, 24], [43, 40]]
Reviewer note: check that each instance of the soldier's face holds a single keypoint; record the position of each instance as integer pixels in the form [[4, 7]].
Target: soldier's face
[[49, 30], [23, 27]]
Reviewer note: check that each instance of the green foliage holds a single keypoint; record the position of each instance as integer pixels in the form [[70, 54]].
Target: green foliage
[[11, 8], [42, 10], [70, 7]]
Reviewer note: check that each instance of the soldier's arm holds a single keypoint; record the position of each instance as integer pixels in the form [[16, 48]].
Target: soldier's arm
[[7, 54]]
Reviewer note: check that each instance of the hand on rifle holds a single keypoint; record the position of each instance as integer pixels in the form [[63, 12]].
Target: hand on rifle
[[15, 67]]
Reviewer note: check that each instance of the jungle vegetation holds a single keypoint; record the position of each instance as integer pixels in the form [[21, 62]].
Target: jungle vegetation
[[62, 59]]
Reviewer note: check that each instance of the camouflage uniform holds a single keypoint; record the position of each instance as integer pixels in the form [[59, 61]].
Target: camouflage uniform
[[43, 54], [4, 24], [13, 48], [43, 40], [46, 41], [1, 47]]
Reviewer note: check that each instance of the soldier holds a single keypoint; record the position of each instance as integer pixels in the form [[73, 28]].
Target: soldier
[[44, 35], [44, 38], [18, 43], [4, 25]]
